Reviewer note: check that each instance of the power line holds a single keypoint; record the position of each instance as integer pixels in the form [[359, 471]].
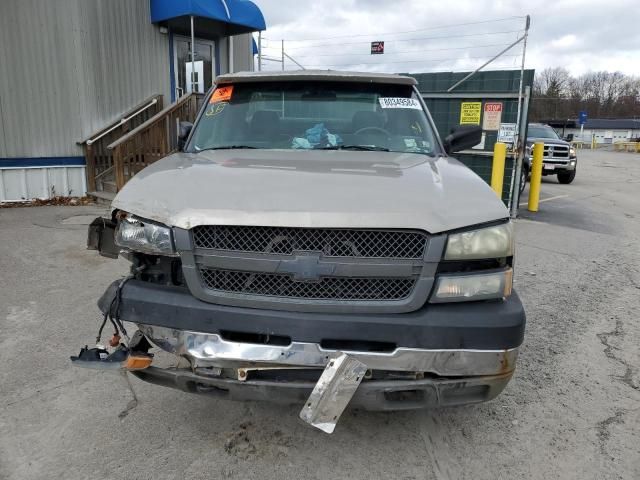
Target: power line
[[411, 61], [405, 51], [439, 27], [406, 39]]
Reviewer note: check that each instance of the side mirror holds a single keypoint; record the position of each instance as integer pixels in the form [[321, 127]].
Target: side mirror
[[462, 138], [183, 133], [569, 137]]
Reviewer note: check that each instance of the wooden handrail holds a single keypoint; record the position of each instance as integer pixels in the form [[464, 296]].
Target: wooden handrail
[[128, 113], [99, 160], [158, 116], [152, 140]]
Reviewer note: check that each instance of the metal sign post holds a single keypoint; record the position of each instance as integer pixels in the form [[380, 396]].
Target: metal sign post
[[582, 119], [193, 46]]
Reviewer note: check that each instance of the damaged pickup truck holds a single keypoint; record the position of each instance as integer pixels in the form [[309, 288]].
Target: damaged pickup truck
[[313, 242]]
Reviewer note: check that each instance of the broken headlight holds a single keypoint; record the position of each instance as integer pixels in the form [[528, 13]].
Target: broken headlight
[[144, 236], [489, 242]]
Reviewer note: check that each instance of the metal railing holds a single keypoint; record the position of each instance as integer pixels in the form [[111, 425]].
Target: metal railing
[[99, 160], [154, 139]]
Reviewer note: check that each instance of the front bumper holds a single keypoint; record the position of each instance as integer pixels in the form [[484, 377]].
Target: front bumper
[[445, 354], [489, 325]]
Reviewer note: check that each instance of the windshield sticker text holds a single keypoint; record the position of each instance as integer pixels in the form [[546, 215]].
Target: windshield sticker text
[[399, 102], [215, 109]]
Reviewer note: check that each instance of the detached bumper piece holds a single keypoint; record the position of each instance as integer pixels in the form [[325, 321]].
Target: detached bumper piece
[[333, 392], [132, 358]]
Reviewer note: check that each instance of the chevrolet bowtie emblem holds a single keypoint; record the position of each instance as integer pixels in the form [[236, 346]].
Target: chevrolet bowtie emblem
[[306, 267]]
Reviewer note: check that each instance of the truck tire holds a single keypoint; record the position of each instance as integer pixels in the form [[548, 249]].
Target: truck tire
[[566, 177], [524, 174]]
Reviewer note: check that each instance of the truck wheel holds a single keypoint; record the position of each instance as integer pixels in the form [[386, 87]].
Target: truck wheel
[[566, 177], [524, 174]]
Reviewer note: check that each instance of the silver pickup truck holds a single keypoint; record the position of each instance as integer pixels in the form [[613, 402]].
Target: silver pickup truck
[[313, 216]]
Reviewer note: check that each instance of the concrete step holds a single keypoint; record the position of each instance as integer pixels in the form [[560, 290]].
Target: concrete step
[[103, 198]]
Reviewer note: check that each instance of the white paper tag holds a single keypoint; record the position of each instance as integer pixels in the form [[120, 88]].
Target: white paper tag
[[399, 102]]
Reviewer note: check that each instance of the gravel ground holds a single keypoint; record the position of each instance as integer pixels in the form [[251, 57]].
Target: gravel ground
[[572, 410]]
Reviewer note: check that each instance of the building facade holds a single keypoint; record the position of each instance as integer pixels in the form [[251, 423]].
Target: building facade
[[68, 68], [603, 131]]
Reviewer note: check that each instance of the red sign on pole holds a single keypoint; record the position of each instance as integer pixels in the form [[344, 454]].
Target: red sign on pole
[[492, 116], [377, 48]]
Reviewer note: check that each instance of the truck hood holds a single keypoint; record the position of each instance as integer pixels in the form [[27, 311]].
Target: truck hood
[[339, 189]]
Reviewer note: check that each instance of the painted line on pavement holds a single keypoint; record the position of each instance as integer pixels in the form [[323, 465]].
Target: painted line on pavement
[[522, 204]]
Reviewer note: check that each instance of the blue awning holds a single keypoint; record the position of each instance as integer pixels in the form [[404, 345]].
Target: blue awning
[[221, 17]]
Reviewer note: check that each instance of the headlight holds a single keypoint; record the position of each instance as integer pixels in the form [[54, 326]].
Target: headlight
[[572, 152], [490, 242], [473, 286], [144, 236]]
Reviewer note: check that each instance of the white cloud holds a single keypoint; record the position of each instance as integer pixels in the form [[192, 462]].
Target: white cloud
[[337, 34], [565, 41]]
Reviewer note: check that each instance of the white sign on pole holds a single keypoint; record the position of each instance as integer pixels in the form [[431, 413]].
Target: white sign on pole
[[507, 133]]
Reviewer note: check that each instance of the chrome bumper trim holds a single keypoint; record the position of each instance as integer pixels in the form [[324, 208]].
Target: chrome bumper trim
[[211, 350]]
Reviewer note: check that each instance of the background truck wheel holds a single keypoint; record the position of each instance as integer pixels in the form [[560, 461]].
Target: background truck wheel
[[523, 178], [566, 177]]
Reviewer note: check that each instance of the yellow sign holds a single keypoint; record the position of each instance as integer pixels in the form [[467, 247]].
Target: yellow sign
[[470, 113]]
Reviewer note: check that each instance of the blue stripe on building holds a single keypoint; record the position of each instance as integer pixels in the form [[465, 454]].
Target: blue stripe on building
[[42, 162]]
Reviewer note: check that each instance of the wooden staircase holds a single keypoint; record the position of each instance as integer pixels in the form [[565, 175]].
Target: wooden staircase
[[144, 135]]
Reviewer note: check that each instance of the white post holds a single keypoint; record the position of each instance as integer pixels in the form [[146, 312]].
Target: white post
[[231, 67], [518, 143], [193, 46], [282, 54], [260, 51]]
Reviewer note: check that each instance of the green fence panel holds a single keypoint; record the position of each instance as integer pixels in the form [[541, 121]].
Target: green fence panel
[[489, 86]]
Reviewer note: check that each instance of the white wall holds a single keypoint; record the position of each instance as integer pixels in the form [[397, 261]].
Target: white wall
[[70, 67], [604, 135], [20, 184]]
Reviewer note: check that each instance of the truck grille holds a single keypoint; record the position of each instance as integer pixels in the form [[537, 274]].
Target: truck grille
[[311, 269], [556, 151], [327, 288], [330, 242]]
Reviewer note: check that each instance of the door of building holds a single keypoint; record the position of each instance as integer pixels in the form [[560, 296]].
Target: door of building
[[202, 69]]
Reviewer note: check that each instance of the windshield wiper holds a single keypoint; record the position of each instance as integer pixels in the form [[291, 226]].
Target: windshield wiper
[[365, 148], [226, 147]]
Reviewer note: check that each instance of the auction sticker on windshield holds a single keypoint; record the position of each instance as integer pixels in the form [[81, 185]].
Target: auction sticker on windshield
[[222, 94], [399, 102]]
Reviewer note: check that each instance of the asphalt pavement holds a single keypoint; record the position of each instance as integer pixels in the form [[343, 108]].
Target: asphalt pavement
[[571, 411]]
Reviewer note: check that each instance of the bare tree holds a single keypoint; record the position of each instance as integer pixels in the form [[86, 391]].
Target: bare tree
[[558, 95]]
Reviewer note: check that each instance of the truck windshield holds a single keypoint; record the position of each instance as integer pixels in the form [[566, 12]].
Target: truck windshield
[[314, 115], [542, 132]]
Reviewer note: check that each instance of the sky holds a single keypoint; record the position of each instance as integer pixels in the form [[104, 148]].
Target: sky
[[580, 35]]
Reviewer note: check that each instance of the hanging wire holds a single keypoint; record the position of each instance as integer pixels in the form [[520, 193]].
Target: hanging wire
[[304, 50], [466, 47], [438, 27], [466, 35]]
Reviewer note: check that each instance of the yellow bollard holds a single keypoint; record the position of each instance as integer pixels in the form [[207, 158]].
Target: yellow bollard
[[497, 170], [536, 176]]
